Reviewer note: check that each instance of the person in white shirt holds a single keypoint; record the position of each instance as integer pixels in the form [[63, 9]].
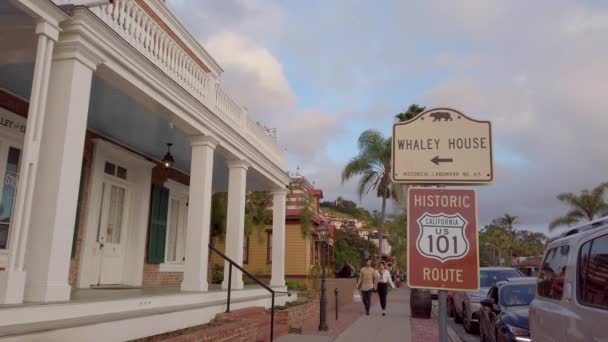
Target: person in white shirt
[[384, 280]]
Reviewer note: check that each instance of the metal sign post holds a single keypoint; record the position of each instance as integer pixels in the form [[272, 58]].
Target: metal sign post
[[443, 316], [442, 146], [443, 247]]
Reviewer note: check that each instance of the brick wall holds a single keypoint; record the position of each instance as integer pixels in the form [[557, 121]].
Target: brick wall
[[295, 316], [153, 277], [80, 225], [237, 330]]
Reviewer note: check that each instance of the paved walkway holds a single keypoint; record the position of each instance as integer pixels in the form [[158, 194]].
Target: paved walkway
[[397, 325]]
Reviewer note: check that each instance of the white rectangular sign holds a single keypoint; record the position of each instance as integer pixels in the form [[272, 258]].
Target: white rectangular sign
[[442, 146]]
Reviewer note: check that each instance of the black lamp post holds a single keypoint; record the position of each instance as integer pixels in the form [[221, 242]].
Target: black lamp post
[[323, 232]]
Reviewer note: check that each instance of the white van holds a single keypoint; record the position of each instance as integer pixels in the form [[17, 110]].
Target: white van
[[571, 302]]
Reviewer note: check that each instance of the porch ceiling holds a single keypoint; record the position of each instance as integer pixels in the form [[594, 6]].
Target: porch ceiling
[[131, 122]]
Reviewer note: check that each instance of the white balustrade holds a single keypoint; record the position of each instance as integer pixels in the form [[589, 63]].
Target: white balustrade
[[136, 26]]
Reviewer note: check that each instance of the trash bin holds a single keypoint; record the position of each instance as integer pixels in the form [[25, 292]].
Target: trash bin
[[421, 303]]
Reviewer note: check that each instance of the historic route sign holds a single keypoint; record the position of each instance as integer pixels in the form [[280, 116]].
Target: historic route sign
[[442, 239], [442, 146]]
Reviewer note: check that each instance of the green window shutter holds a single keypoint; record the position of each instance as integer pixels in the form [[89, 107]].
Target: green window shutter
[[158, 224]]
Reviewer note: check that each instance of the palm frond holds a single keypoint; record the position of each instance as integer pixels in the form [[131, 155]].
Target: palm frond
[[411, 112], [569, 198], [355, 166], [563, 221], [598, 191], [367, 182]]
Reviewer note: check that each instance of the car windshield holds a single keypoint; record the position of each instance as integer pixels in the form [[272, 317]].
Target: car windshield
[[489, 278], [517, 295]]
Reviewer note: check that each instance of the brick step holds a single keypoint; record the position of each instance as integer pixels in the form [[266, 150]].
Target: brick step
[[241, 313], [263, 334]]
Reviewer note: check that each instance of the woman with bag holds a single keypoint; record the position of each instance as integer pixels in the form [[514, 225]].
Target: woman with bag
[[366, 284], [383, 281]]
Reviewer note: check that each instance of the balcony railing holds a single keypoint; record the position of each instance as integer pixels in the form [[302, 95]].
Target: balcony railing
[[143, 32]]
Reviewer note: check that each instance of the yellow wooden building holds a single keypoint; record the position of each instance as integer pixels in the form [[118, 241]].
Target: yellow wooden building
[[302, 251]]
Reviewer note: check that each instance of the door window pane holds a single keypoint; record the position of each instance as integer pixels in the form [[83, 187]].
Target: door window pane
[[594, 273], [174, 210], [109, 168], [115, 214], [121, 172], [9, 190], [553, 272]]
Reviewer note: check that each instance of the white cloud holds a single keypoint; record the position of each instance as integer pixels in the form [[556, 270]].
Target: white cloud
[[253, 74], [536, 69]]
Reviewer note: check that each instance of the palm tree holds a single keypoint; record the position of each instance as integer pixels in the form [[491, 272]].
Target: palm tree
[[373, 164], [587, 206], [411, 112], [508, 221]]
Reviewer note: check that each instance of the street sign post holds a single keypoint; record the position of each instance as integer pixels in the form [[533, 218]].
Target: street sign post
[[442, 239], [442, 146], [443, 248]]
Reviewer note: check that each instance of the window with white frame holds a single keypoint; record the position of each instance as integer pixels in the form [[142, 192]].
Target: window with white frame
[[176, 230], [175, 242]]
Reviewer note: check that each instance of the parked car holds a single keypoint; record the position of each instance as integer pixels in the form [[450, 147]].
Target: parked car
[[434, 294], [503, 316], [571, 302], [450, 299], [466, 303]]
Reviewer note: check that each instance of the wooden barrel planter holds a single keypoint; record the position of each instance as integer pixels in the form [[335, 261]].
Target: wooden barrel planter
[[421, 303]]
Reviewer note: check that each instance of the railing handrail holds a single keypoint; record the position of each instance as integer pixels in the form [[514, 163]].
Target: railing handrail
[[150, 37], [257, 280]]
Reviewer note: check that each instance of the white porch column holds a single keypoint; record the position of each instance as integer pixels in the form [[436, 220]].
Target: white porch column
[[235, 220], [55, 184], [278, 238], [199, 214], [12, 280]]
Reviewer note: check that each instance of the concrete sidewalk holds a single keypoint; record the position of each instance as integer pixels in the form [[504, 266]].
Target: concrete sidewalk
[[395, 326]]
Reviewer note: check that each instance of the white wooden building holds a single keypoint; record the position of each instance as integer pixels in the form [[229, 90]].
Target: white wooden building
[[91, 93]]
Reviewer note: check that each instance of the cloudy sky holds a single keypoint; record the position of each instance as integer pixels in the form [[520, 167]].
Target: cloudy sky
[[324, 71]]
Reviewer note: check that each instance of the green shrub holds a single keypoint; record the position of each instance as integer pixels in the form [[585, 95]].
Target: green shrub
[[296, 285], [249, 281], [217, 274]]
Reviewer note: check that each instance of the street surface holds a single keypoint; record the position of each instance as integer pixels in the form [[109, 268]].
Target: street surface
[[459, 329]]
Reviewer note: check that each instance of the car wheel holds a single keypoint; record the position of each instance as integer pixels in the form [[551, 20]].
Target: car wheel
[[450, 308], [457, 317]]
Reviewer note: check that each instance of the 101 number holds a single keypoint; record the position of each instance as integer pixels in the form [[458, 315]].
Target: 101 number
[[442, 243]]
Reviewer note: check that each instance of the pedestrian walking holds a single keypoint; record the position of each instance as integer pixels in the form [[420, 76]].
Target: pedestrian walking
[[384, 280], [366, 284]]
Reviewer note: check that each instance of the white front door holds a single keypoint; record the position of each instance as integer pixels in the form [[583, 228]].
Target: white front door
[[112, 232]]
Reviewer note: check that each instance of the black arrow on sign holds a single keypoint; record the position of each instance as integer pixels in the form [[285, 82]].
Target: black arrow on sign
[[438, 160]]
